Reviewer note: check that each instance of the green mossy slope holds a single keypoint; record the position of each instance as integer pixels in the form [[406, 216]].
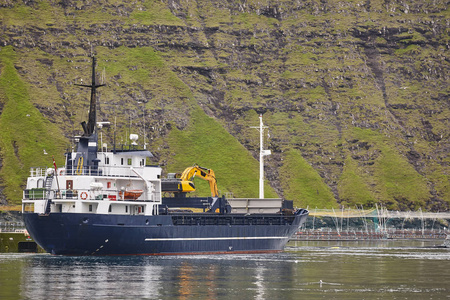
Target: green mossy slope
[[355, 94], [25, 133], [353, 189], [398, 185], [303, 184]]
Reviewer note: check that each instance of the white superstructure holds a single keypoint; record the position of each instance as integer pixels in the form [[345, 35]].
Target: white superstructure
[[121, 183]]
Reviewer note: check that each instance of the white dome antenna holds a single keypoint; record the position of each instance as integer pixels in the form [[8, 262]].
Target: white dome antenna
[[134, 138]]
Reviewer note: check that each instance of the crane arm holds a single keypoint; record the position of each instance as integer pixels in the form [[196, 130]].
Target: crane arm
[[206, 174]]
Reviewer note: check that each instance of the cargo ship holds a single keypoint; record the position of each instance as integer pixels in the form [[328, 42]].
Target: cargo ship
[[111, 203]]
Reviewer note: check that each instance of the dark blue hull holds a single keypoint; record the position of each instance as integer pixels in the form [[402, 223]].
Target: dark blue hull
[[95, 234]]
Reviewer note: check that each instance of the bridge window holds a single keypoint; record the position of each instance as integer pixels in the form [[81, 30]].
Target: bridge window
[[130, 161]]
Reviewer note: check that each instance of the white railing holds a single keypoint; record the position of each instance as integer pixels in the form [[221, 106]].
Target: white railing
[[124, 171], [38, 171]]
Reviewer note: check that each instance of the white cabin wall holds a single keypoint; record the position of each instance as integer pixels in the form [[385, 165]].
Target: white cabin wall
[[35, 182]]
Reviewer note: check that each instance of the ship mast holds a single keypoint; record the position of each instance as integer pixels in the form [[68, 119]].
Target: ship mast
[[262, 153], [86, 157], [89, 128]]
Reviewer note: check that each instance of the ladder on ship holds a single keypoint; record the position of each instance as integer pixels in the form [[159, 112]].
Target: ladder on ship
[[48, 189]]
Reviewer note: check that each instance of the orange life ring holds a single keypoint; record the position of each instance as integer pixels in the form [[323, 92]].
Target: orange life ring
[[61, 172], [84, 195]]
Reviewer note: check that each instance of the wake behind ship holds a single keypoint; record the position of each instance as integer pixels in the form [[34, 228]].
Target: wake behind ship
[[110, 203]]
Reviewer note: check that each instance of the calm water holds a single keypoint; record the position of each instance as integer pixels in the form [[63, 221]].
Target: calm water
[[348, 270]]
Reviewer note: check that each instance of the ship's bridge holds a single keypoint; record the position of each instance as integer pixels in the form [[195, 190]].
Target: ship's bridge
[[117, 163]]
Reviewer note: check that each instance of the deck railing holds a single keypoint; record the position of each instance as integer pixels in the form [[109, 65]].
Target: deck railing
[[118, 171]]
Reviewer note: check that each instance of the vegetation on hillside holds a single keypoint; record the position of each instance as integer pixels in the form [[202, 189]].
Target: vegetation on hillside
[[25, 136], [355, 93]]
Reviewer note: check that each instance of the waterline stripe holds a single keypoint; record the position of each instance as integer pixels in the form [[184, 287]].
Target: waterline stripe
[[217, 238]]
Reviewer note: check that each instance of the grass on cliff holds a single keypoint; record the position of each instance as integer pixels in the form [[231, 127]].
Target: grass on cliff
[[396, 184], [154, 12], [149, 12], [21, 151], [21, 14], [353, 187], [142, 67], [303, 184]]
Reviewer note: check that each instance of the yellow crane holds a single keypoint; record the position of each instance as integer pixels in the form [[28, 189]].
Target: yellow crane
[[183, 183], [207, 174]]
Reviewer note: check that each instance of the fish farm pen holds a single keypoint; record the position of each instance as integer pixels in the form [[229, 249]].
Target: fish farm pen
[[375, 224], [355, 235]]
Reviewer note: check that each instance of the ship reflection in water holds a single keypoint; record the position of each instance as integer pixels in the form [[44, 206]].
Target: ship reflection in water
[[307, 270], [199, 277]]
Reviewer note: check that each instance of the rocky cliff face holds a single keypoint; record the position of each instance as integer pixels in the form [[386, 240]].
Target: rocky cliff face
[[357, 90]]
